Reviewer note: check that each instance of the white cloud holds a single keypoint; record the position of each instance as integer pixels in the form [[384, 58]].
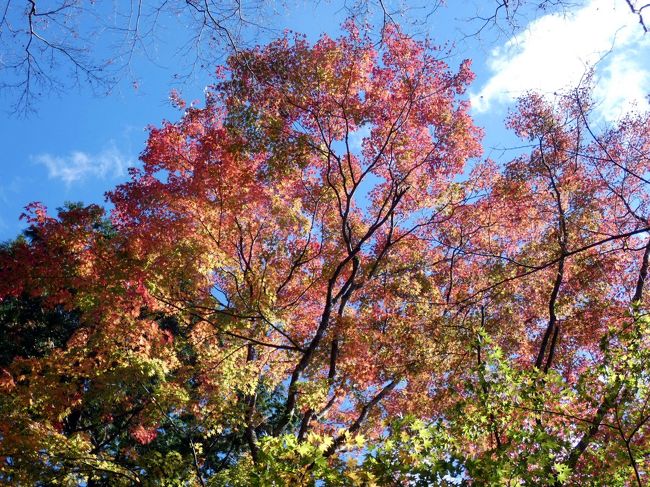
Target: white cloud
[[554, 51], [79, 166], [356, 137]]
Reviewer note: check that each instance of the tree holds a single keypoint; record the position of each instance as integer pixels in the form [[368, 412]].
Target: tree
[[307, 281]]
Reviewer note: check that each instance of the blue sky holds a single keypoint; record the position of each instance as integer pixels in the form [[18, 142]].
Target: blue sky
[[77, 145]]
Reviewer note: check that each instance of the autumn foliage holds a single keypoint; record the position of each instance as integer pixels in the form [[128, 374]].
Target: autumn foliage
[[316, 277]]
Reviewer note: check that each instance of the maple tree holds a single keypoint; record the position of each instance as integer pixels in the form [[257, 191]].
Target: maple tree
[[314, 277]]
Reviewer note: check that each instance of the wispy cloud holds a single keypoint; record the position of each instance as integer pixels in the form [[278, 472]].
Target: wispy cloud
[[79, 166], [555, 51]]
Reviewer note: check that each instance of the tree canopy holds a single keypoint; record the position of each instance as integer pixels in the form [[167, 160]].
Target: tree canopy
[[316, 278]]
